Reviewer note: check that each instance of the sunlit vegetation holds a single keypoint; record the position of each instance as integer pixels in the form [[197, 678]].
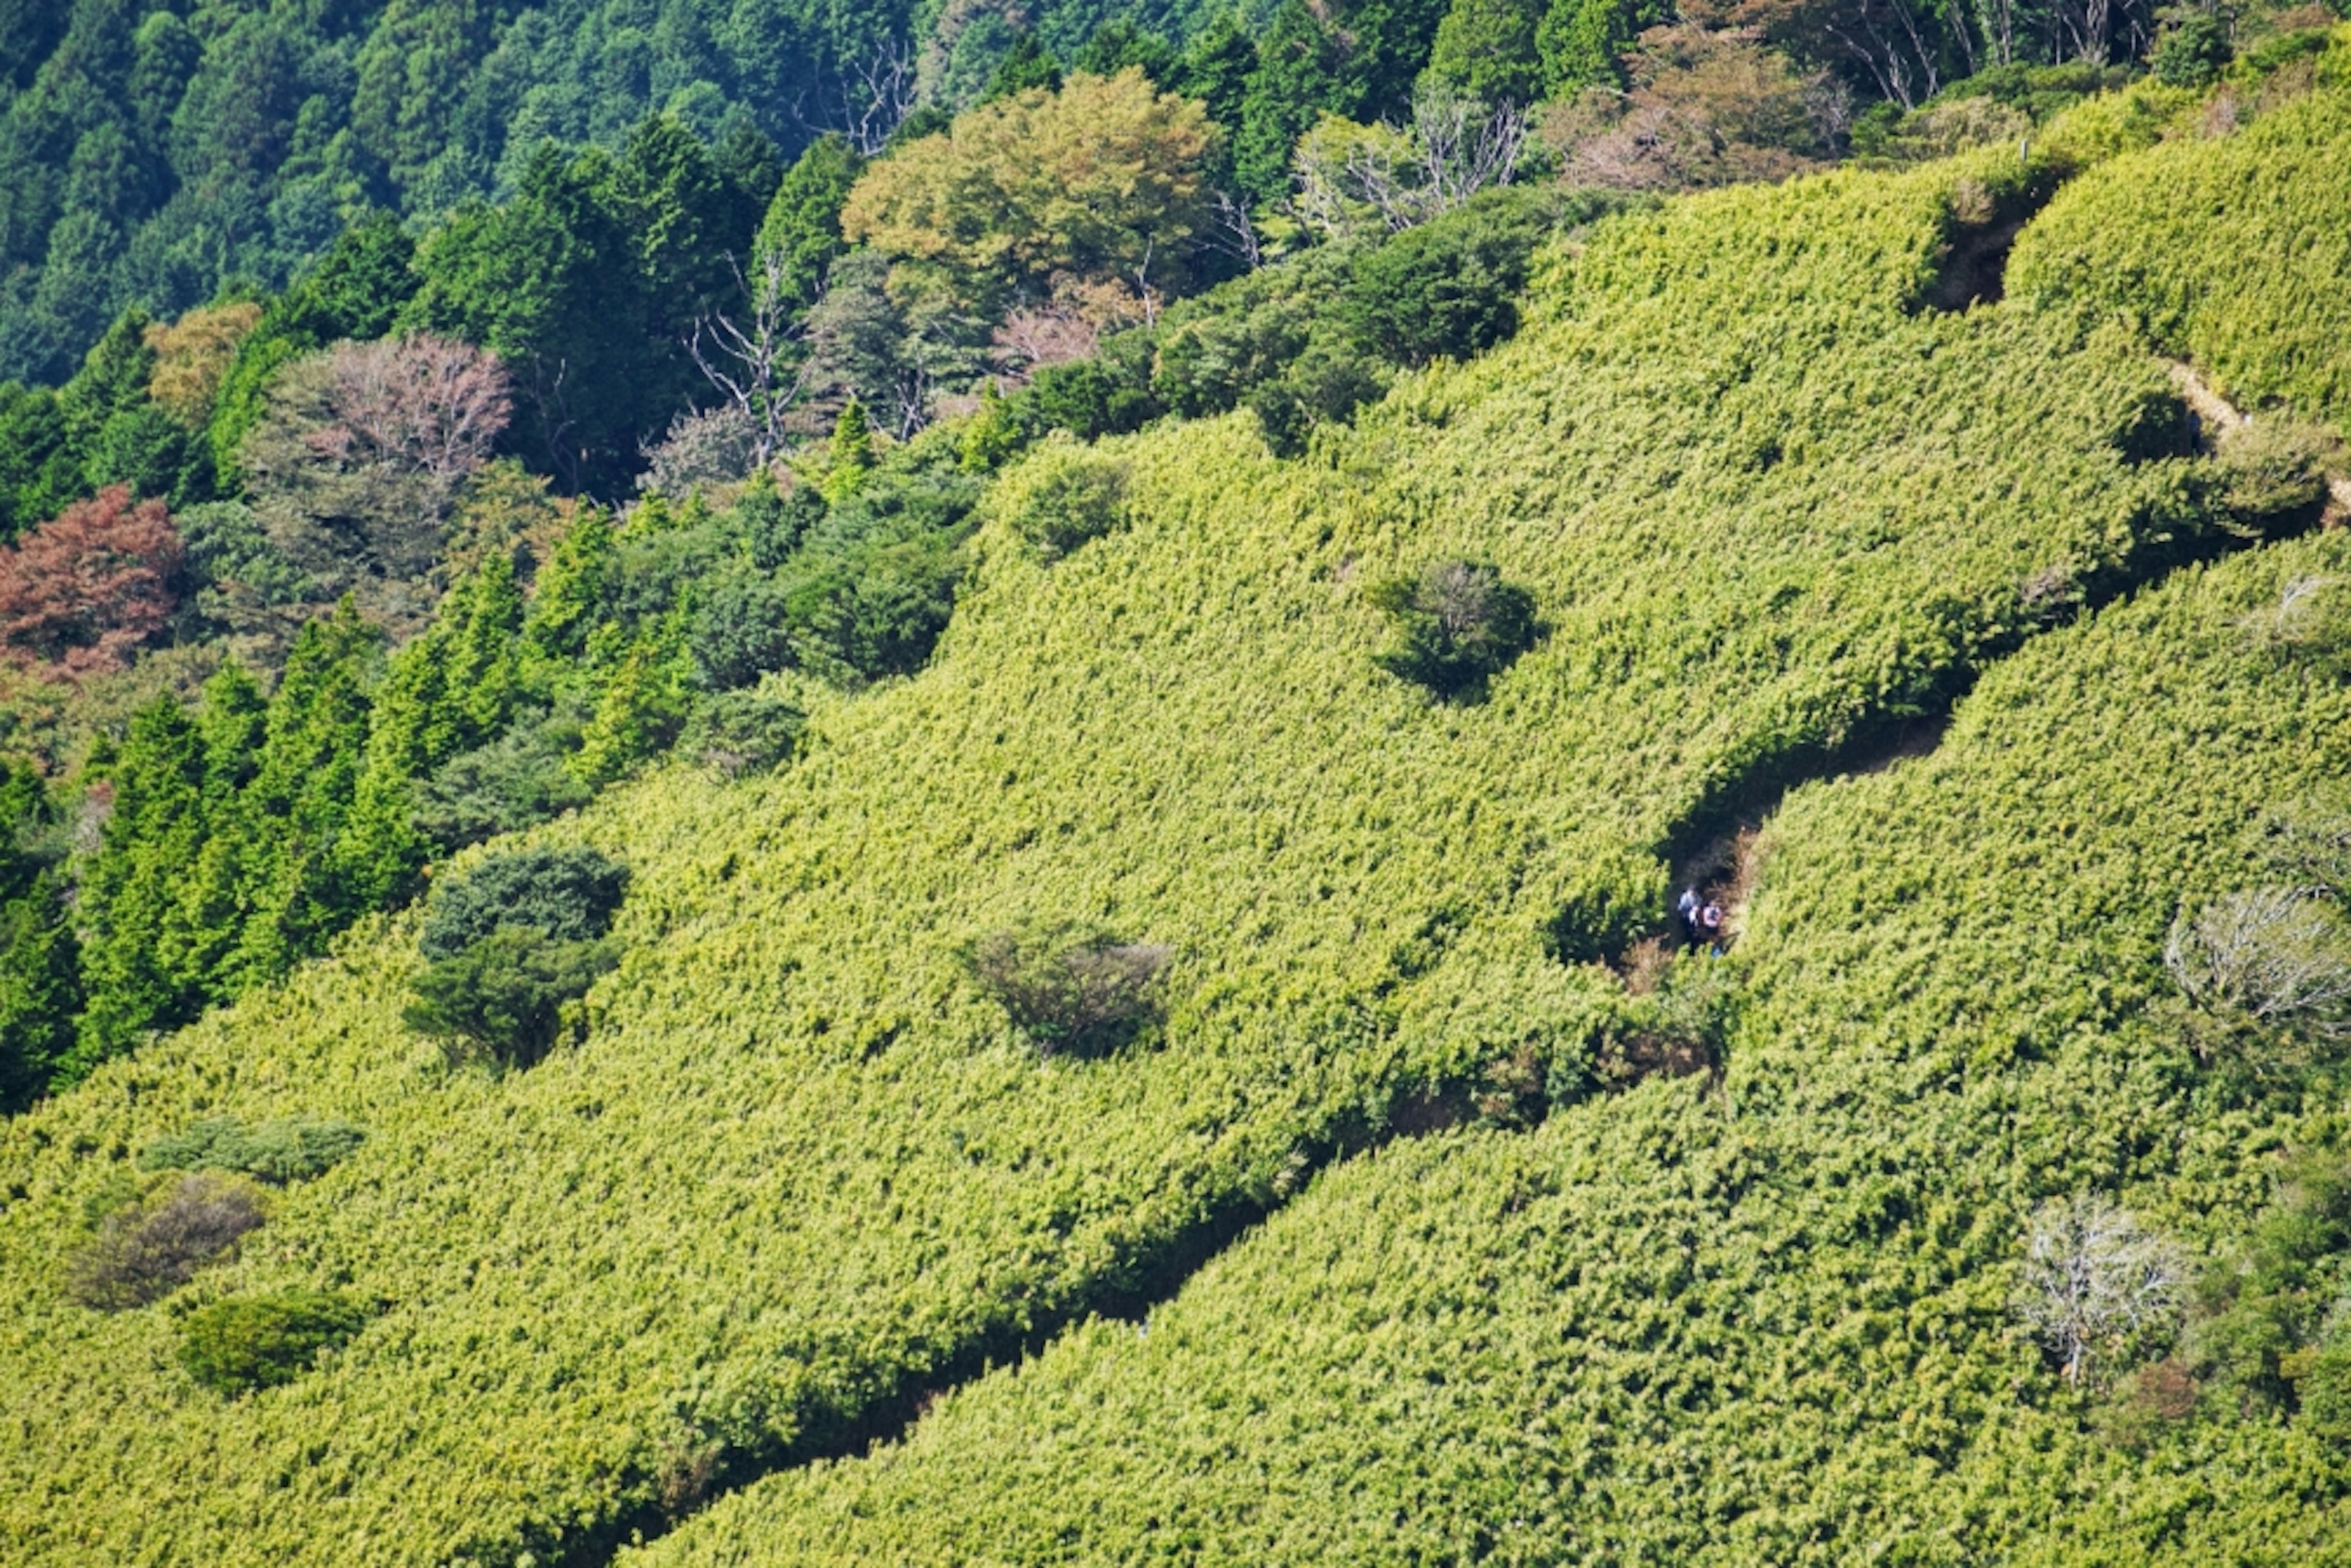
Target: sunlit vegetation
[[656, 813]]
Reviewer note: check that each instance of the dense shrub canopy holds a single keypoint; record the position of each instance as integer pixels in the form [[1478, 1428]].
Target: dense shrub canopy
[[246, 1342], [799, 1169], [564, 894]]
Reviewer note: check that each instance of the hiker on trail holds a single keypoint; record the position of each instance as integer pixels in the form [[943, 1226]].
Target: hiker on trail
[[1687, 907], [1710, 923]]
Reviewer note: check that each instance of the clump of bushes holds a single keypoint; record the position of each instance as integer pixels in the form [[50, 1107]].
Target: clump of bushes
[[1064, 495], [566, 894], [743, 732], [293, 1148], [260, 1341], [146, 1250], [2275, 471], [514, 945], [1458, 624], [1072, 987]]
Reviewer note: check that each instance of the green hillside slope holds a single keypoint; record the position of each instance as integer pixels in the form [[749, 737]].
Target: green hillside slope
[[1764, 498], [2230, 250], [1763, 1321]]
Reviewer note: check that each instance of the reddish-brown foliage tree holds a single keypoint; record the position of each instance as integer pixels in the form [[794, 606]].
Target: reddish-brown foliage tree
[[80, 593]]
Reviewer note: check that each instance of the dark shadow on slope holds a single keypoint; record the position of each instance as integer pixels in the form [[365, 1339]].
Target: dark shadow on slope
[[1129, 1293], [1979, 229], [1706, 850]]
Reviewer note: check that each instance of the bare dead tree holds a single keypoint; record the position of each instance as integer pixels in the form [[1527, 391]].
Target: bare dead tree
[[2269, 956], [2097, 1284], [760, 365], [868, 98], [1459, 147], [1234, 233]]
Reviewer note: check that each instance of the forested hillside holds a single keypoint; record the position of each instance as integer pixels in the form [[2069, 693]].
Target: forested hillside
[[1148, 825]]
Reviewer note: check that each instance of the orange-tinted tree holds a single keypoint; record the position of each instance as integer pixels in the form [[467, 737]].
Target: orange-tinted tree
[[80, 593]]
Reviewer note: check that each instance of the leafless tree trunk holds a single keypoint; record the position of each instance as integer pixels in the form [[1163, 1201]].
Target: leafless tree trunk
[[1459, 148], [758, 365], [870, 97], [1235, 234]]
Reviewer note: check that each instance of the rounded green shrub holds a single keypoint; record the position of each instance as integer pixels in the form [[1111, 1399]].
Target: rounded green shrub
[[1064, 495], [566, 894], [1458, 624], [259, 1341]]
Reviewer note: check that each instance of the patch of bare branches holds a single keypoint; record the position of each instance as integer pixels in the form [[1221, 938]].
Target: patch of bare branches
[[866, 98], [145, 1251], [2097, 1286], [2271, 961], [1069, 989], [760, 364]]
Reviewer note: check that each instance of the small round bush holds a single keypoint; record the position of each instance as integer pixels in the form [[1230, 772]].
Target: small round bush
[[1458, 624], [565, 895], [259, 1341]]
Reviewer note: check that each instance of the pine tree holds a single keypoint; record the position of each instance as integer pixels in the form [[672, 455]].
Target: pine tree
[[1298, 78]]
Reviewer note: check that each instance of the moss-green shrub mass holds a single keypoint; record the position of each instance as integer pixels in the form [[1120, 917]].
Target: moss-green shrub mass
[[2231, 251], [799, 1163], [1762, 1322]]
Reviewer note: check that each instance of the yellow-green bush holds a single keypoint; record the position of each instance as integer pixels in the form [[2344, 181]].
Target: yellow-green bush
[[2229, 251]]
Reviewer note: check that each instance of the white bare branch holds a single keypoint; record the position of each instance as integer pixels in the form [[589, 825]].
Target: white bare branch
[[2096, 1284]]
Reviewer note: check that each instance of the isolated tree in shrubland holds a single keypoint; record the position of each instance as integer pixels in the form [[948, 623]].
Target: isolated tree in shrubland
[[358, 459], [2266, 962], [1104, 179], [569, 894], [144, 1252], [2097, 1286], [82, 591], [1071, 988], [514, 943], [508, 994], [1458, 624], [1062, 495]]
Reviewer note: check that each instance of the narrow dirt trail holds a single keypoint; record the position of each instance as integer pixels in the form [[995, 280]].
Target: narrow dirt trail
[[2218, 413]]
